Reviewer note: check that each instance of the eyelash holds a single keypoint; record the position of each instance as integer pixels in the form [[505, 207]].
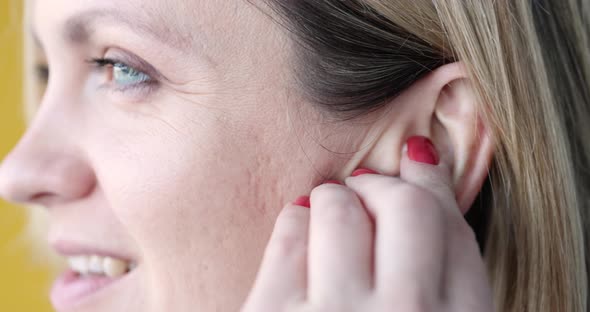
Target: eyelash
[[144, 85]]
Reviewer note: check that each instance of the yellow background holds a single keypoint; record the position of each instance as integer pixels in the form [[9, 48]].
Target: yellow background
[[23, 284]]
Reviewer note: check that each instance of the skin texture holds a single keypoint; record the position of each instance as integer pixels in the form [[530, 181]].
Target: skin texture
[[375, 243], [188, 177]]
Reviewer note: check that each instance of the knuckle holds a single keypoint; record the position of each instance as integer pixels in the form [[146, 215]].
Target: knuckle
[[422, 197], [384, 185], [415, 200], [286, 245], [336, 204], [330, 192], [291, 217], [337, 216], [410, 301], [288, 236]]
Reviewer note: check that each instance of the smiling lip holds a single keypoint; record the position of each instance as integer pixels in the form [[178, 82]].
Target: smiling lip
[[66, 248], [71, 288]]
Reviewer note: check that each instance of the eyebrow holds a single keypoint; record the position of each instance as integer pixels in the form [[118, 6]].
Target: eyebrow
[[79, 28]]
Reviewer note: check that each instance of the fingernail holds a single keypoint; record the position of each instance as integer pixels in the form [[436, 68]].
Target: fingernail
[[302, 201], [333, 182], [362, 171], [422, 150]]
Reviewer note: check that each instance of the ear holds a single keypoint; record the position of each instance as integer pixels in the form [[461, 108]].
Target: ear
[[441, 106]]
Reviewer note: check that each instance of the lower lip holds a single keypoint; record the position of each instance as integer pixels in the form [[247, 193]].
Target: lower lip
[[70, 289]]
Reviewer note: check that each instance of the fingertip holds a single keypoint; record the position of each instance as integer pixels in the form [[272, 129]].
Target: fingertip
[[363, 171], [421, 149], [421, 165], [420, 152], [292, 219], [302, 201], [353, 181], [409, 166]]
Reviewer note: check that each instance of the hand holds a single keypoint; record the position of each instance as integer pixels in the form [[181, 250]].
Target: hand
[[377, 243]]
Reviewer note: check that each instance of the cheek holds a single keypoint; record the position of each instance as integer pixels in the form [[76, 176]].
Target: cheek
[[187, 204], [172, 188], [190, 194], [202, 196]]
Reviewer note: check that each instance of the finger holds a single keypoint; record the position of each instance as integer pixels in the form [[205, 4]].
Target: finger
[[434, 178], [467, 287], [465, 283], [410, 235], [340, 244], [281, 279]]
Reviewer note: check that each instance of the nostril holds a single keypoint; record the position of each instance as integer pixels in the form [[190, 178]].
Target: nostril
[[40, 196], [23, 187], [45, 179], [44, 199], [37, 196]]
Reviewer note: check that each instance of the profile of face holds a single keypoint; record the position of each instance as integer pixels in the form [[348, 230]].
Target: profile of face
[[169, 136]]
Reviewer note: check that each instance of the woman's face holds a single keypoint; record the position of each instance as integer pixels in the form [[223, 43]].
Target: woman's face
[[170, 135]]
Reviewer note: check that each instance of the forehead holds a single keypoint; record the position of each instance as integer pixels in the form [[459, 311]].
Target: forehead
[[175, 20], [221, 31]]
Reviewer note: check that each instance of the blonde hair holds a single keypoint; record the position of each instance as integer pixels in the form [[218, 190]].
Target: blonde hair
[[530, 66], [529, 62], [535, 244]]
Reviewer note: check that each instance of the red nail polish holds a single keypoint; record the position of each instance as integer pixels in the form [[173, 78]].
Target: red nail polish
[[362, 171], [422, 150], [333, 182], [302, 201]]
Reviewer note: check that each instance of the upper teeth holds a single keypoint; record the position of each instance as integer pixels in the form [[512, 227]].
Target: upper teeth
[[108, 266]]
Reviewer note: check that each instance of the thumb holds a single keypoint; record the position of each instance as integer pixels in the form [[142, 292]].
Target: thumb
[[420, 165]]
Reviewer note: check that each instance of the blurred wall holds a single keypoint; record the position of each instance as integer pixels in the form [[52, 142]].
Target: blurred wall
[[23, 284]]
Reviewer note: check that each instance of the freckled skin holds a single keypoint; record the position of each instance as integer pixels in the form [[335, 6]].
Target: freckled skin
[[189, 178]]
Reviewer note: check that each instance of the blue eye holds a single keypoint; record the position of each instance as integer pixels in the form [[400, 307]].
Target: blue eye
[[124, 75]]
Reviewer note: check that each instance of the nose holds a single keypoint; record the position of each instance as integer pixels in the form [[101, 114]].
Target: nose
[[44, 170]]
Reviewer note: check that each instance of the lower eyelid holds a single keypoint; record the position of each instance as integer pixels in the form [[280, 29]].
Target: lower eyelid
[[137, 92]]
